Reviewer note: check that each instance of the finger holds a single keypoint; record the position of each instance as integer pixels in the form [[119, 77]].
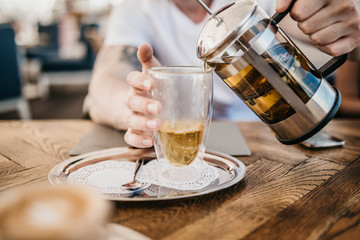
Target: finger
[[140, 81], [143, 123], [330, 34], [146, 57], [318, 21], [300, 8], [142, 104], [303, 9], [340, 47], [282, 5], [344, 11], [138, 139]]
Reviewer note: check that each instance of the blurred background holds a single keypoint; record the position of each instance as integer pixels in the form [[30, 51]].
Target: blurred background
[[47, 51]]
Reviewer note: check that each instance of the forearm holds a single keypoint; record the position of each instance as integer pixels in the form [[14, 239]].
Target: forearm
[[106, 102], [108, 88]]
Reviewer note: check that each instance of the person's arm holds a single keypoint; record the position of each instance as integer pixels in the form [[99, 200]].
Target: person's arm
[[118, 93], [347, 81], [108, 89]]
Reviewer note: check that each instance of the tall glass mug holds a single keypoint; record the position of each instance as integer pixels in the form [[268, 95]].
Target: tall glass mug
[[185, 94]]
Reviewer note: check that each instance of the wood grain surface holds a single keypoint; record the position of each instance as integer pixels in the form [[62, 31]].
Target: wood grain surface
[[289, 192]]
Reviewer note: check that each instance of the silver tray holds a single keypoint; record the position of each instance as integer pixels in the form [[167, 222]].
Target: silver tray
[[230, 169]]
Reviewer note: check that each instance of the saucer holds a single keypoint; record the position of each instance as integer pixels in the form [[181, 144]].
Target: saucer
[[116, 166]]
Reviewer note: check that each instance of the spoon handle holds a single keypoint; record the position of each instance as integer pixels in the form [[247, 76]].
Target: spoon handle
[[138, 163]]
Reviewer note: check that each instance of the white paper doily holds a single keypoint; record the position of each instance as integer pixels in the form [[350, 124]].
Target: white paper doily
[[151, 173], [105, 177]]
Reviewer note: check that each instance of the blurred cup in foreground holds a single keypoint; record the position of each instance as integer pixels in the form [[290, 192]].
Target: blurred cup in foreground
[[53, 212], [185, 94]]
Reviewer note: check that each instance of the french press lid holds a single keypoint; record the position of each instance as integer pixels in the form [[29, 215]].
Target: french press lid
[[216, 36]]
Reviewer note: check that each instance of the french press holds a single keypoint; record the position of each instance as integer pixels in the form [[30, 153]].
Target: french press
[[261, 64]]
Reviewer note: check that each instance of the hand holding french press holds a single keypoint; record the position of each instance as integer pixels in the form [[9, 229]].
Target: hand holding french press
[[333, 25]]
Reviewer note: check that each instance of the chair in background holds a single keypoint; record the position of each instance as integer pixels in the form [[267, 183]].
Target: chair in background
[[11, 97], [57, 69], [50, 58], [49, 43]]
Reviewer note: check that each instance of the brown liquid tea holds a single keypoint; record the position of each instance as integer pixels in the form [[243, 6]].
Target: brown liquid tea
[[180, 142], [254, 89]]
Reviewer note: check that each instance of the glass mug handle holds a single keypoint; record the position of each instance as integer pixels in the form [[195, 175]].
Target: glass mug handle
[[328, 67]]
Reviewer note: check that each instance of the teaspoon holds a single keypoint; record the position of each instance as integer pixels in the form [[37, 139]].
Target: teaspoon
[[134, 185]]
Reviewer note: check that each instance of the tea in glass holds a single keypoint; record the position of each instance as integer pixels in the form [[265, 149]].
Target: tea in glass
[[185, 94], [181, 141]]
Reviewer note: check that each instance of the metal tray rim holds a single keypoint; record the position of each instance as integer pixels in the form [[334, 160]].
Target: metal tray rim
[[240, 170]]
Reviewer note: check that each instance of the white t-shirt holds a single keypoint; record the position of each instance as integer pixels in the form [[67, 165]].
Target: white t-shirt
[[174, 38]]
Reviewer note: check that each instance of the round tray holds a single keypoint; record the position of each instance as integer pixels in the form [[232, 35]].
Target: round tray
[[230, 169]]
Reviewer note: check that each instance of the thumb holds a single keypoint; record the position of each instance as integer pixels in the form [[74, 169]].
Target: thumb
[[282, 5], [146, 57]]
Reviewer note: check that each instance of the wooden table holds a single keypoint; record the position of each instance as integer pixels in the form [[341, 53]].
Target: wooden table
[[288, 192]]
